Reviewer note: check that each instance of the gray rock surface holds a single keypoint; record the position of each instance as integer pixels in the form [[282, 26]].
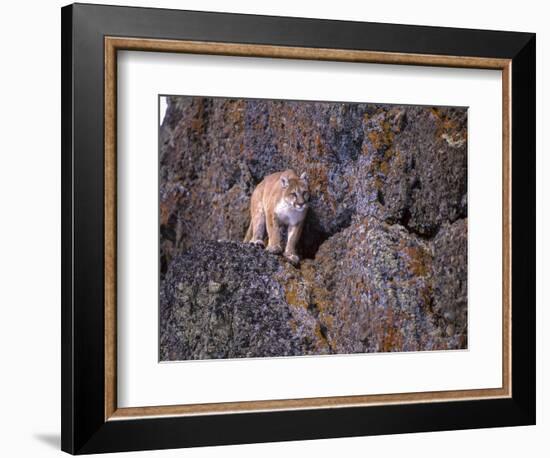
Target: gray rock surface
[[229, 300]]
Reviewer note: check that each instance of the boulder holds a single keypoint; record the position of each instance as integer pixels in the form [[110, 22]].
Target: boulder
[[232, 300], [373, 287]]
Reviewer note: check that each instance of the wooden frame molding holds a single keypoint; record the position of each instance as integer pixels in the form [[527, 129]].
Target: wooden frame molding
[[111, 46]]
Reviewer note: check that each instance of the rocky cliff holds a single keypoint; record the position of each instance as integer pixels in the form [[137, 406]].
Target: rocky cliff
[[385, 243]]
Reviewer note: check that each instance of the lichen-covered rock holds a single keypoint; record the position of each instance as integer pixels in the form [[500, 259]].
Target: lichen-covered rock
[[415, 169], [450, 274], [385, 238], [369, 289], [373, 287], [228, 300], [401, 164]]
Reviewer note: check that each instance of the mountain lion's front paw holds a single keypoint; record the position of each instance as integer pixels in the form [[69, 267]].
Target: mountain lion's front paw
[[294, 259], [275, 249]]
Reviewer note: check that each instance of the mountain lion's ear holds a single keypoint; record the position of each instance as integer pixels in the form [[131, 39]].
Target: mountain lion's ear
[[284, 181], [303, 176]]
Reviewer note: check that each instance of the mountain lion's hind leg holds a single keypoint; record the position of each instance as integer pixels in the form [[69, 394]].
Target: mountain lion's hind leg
[[258, 227]]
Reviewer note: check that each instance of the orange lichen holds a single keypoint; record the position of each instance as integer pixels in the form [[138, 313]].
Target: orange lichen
[[295, 292], [448, 128], [393, 339], [419, 261], [384, 167]]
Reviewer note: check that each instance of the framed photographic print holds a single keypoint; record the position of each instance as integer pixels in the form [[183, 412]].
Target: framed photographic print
[[282, 228]]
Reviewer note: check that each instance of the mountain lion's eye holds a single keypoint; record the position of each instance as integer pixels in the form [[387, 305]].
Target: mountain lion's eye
[[294, 195], [306, 195]]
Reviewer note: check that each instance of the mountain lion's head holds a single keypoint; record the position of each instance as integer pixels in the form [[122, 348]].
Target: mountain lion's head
[[295, 191]]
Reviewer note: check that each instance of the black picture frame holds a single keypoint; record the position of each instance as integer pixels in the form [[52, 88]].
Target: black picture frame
[[84, 428]]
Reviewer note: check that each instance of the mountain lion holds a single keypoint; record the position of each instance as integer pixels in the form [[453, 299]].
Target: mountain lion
[[280, 199]]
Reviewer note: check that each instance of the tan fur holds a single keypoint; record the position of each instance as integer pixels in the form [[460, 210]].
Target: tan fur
[[280, 199]]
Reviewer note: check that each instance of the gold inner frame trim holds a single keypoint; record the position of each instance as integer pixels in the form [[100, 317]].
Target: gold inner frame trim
[[114, 44]]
